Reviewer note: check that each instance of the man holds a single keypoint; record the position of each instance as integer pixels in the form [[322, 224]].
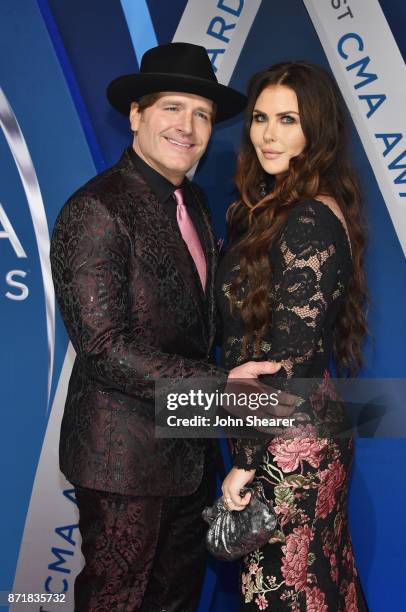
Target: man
[[133, 259]]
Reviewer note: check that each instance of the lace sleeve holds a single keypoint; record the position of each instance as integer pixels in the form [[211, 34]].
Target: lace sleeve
[[308, 277]]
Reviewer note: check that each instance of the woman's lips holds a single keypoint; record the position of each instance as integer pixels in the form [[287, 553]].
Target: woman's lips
[[271, 154]]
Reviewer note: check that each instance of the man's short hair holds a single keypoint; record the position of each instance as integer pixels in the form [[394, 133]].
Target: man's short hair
[[148, 100]]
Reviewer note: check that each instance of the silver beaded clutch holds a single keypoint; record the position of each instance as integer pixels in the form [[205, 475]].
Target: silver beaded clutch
[[234, 534]]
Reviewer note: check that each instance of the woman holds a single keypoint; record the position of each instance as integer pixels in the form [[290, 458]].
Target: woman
[[292, 289]]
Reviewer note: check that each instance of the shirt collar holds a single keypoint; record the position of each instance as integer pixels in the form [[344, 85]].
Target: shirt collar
[[161, 187]]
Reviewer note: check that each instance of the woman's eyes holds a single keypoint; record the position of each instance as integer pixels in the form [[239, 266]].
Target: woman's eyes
[[259, 118], [286, 119]]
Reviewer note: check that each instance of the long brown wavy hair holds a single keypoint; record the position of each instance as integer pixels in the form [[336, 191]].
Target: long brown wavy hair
[[323, 168]]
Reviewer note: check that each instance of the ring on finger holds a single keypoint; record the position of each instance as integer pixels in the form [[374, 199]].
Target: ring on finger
[[226, 501]]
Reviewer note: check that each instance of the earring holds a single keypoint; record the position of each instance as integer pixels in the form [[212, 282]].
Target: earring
[[262, 189]]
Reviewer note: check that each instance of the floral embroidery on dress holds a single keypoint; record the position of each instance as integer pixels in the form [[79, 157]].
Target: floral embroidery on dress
[[308, 487], [308, 565], [295, 557]]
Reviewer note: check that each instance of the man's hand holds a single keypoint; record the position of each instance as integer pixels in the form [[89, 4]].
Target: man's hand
[[253, 369], [244, 380]]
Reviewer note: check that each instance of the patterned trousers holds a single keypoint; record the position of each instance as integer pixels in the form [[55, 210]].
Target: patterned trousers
[[142, 553]]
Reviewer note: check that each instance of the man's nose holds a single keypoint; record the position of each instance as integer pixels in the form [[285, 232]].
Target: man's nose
[[186, 123]]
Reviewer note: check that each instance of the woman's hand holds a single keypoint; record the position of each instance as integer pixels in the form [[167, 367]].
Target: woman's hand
[[235, 480]]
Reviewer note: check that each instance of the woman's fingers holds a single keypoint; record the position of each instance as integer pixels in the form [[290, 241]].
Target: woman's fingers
[[235, 480], [234, 501]]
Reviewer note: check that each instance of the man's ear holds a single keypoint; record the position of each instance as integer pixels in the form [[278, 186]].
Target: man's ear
[[135, 116]]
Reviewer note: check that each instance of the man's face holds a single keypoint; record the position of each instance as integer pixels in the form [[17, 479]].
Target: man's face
[[172, 134]]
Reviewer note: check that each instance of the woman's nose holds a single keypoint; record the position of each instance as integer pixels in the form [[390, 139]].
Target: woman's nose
[[270, 132]]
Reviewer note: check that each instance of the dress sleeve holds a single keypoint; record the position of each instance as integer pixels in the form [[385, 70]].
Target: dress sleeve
[[306, 279]]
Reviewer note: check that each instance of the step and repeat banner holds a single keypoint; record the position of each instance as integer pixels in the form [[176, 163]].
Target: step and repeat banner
[[57, 130]]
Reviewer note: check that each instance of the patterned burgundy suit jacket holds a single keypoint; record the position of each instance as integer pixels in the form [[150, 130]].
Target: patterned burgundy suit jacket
[[134, 310]]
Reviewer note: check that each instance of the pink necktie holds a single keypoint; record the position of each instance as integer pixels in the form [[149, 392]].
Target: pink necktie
[[189, 235]]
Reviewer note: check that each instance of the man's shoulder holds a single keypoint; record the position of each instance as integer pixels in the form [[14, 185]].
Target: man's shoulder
[[106, 195], [104, 185]]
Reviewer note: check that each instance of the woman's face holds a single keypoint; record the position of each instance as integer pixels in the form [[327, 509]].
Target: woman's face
[[275, 131]]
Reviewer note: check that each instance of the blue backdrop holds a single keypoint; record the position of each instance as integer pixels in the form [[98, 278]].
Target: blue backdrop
[[56, 59]]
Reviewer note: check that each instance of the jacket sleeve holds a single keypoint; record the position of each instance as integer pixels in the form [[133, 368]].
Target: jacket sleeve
[[90, 251]]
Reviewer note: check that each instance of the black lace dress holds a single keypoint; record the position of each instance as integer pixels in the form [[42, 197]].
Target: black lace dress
[[308, 564]]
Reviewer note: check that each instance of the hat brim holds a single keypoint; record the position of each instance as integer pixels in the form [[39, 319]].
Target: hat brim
[[130, 88]]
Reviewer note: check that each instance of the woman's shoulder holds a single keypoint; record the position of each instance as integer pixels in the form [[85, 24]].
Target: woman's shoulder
[[320, 207], [319, 217], [322, 210]]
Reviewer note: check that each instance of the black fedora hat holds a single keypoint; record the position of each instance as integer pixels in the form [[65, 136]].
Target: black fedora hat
[[181, 67]]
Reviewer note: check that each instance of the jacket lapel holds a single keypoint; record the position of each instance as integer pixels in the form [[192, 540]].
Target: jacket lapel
[[164, 232], [211, 253]]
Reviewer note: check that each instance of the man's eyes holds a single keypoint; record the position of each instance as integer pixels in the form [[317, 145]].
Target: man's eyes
[[174, 108]]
